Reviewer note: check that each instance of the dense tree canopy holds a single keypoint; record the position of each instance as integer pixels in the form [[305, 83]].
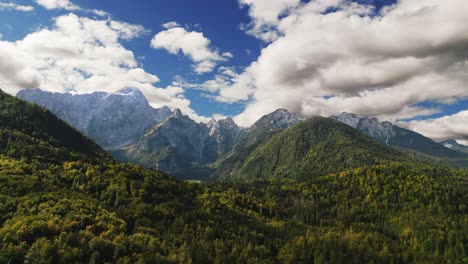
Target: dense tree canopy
[[68, 202]]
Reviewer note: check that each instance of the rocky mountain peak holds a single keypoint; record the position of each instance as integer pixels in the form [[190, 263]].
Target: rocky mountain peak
[[211, 123], [228, 123], [177, 113], [163, 113], [382, 131], [278, 119], [113, 120], [350, 119]]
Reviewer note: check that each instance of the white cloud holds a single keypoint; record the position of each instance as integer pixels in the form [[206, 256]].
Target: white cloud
[[128, 31], [82, 55], [228, 55], [192, 44], [99, 12], [171, 24], [58, 4], [265, 15], [353, 59], [69, 6], [12, 6], [447, 127]]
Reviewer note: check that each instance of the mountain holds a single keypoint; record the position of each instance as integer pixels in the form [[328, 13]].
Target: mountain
[[249, 139], [63, 200], [372, 127], [125, 124], [113, 120], [32, 133], [175, 145], [398, 137], [270, 123], [226, 132], [314, 147], [454, 145]]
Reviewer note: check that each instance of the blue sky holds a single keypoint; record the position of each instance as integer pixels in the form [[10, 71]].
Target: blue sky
[[218, 20], [246, 58]]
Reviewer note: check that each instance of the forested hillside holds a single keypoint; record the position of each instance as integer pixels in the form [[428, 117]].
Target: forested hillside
[[314, 147], [65, 201]]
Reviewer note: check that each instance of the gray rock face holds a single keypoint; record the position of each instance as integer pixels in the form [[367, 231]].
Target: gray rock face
[[226, 132], [279, 119], [370, 126], [264, 127], [173, 145], [396, 136], [113, 120]]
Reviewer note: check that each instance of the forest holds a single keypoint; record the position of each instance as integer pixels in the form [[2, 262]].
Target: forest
[[64, 200]]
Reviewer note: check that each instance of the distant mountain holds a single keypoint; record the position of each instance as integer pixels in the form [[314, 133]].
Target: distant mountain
[[30, 132], [314, 147], [454, 145], [113, 120], [251, 138], [398, 137], [125, 124], [226, 132], [270, 123], [174, 145]]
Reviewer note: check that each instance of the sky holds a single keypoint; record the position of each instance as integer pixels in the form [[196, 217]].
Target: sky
[[405, 61]]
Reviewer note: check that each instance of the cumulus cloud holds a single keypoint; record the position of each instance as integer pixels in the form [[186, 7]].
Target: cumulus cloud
[[58, 4], [12, 6], [328, 56], [447, 127], [82, 55], [191, 44]]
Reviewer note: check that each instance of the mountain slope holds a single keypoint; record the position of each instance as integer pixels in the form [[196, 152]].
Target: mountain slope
[[174, 146], [31, 132], [226, 132], [74, 210], [398, 137], [249, 139], [111, 119], [314, 147], [266, 125]]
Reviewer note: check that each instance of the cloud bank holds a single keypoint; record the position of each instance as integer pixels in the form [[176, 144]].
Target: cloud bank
[[447, 127], [329, 56], [82, 55]]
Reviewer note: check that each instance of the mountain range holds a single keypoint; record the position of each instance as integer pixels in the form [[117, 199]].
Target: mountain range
[[406, 140], [113, 120], [132, 131], [311, 191]]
